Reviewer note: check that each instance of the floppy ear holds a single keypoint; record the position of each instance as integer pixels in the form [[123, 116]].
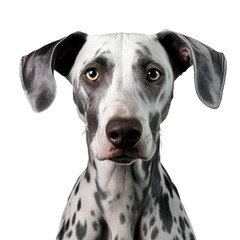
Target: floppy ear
[[36, 69], [209, 65]]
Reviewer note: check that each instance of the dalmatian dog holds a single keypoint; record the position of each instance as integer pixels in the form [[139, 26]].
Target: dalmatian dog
[[122, 87]]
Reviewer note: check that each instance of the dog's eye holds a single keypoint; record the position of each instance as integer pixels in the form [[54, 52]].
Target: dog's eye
[[92, 74], [153, 75]]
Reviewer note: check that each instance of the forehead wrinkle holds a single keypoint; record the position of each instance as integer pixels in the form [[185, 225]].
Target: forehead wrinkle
[[105, 53], [144, 48], [103, 56]]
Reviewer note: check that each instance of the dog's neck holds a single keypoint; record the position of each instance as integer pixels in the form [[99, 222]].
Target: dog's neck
[[124, 189], [113, 178]]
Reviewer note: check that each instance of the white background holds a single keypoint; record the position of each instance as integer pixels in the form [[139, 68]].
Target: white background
[[43, 154]]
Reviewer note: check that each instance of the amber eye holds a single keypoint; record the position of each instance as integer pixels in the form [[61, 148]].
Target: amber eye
[[92, 74], [153, 75]]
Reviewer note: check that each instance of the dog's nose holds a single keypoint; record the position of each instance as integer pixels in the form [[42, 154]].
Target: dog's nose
[[124, 133]]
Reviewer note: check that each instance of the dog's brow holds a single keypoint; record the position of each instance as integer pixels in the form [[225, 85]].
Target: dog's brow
[[145, 49], [104, 53], [101, 60], [142, 60]]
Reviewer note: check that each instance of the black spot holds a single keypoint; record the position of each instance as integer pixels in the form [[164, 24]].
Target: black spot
[[103, 229], [154, 233], [98, 201], [176, 238], [175, 190], [165, 213], [94, 164], [156, 187], [69, 234], [127, 207], [79, 204], [181, 223], [87, 176], [191, 236], [116, 238], [122, 218], [175, 220], [118, 196], [81, 230], [74, 218], [185, 220], [76, 189], [172, 184], [61, 232], [145, 230], [95, 226], [152, 221], [182, 226], [67, 225], [181, 207], [92, 213], [168, 185]]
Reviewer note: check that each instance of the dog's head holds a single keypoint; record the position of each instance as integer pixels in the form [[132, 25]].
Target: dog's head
[[122, 85]]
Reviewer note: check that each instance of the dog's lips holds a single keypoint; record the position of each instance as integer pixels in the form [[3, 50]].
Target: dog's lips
[[123, 155], [123, 159]]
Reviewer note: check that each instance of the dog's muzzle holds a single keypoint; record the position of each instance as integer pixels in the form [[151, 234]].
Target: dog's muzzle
[[124, 135]]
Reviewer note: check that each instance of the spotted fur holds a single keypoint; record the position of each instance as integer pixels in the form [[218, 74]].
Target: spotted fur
[[125, 193]]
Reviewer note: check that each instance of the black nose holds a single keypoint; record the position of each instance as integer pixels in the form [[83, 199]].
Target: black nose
[[124, 133]]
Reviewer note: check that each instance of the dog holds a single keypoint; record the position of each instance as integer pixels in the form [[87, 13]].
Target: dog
[[123, 87]]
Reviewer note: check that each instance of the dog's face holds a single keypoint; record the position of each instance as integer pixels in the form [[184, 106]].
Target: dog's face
[[122, 77], [123, 85]]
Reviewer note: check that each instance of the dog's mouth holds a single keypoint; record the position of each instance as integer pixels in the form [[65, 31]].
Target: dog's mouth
[[123, 159], [125, 155]]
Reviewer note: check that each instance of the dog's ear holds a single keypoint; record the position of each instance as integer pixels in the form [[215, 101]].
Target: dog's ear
[[36, 69], [209, 65]]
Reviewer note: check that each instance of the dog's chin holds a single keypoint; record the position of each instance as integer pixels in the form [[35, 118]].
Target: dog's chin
[[123, 159]]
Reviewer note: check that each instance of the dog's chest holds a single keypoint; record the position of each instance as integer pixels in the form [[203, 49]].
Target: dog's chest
[[123, 210]]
